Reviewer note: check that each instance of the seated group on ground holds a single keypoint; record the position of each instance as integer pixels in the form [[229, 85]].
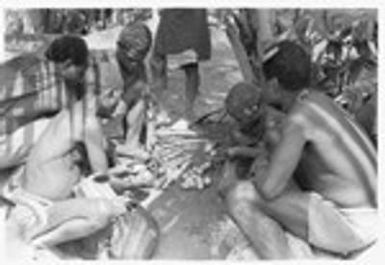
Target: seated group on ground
[[300, 167]]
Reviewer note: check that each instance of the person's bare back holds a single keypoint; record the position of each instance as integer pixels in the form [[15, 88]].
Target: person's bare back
[[338, 160], [318, 147]]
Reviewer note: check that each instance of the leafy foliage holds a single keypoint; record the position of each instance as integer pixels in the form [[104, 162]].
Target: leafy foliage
[[342, 44]]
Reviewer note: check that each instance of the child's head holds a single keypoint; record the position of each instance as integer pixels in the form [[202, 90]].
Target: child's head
[[133, 44], [243, 103]]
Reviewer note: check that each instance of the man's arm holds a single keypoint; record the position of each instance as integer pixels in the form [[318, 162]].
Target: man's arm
[[283, 162], [94, 142], [243, 151]]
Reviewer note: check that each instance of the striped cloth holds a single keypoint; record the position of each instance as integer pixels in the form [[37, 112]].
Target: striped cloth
[[32, 87]]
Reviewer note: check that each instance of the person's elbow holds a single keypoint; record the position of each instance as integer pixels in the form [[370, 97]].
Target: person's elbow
[[270, 191]]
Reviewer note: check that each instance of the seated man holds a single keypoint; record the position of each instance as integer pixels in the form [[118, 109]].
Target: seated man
[[331, 203], [133, 45], [48, 212]]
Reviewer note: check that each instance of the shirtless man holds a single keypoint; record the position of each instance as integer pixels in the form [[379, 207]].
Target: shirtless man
[[331, 201], [47, 210]]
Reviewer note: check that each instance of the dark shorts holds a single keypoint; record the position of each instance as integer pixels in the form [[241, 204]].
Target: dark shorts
[[183, 29]]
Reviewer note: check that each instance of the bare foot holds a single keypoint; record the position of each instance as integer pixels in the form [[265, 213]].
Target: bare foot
[[181, 124], [162, 118]]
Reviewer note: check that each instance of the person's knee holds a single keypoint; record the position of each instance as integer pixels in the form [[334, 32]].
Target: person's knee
[[242, 199], [244, 191]]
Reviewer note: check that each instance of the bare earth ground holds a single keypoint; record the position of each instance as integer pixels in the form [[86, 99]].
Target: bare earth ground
[[193, 223]]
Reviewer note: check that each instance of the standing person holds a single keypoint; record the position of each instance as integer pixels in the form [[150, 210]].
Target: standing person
[[181, 31], [133, 45], [331, 201]]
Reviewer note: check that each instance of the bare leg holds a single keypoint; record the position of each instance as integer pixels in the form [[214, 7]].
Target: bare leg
[[296, 212], [247, 209], [135, 120], [159, 82], [192, 82], [229, 178], [158, 65], [265, 234]]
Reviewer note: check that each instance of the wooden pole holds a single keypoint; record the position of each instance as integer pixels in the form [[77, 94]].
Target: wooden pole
[[261, 20], [239, 51], [257, 24]]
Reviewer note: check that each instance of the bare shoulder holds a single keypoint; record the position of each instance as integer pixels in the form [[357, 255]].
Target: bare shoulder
[[308, 113], [312, 109], [298, 117]]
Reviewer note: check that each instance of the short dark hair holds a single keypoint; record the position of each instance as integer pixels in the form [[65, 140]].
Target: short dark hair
[[68, 47], [136, 36], [291, 65], [242, 95]]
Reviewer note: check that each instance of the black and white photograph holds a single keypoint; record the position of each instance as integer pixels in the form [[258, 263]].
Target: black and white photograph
[[189, 133]]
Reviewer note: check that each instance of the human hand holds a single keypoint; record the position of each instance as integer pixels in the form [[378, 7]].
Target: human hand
[[258, 167], [119, 205], [118, 170], [233, 151], [114, 172], [243, 151]]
